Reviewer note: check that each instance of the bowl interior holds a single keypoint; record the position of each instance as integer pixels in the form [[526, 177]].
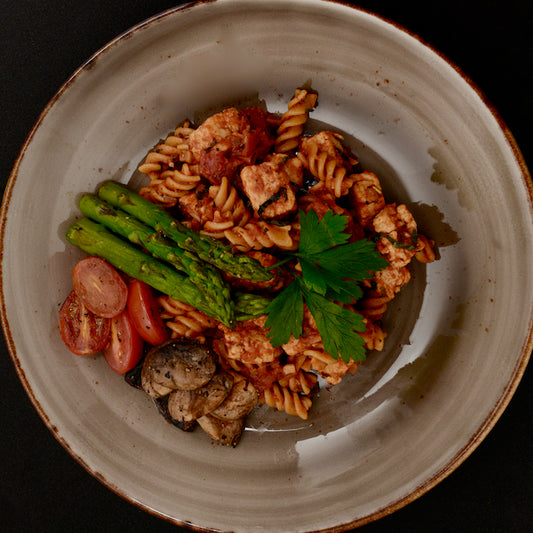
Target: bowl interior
[[412, 412]]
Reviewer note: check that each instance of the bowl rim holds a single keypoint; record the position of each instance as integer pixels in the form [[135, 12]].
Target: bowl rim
[[484, 428]]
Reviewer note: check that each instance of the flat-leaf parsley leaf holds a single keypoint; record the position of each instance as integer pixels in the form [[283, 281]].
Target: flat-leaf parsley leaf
[[331, 268], [339, 328], [285, 315]]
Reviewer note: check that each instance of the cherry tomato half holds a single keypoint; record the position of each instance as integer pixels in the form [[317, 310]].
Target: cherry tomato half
[[82, 331], [125, 347], [100, 287], [144, 313]]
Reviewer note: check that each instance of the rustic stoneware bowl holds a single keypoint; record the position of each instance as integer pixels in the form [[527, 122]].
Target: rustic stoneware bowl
[[413, 412]]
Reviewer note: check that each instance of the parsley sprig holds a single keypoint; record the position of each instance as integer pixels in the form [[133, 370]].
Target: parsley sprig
[[332, 269]]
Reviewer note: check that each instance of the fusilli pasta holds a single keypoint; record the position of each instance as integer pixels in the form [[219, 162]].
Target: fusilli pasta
[[293, 120], [174, 149], [425, 251], [229, 211], [172, 184], [284, 399], [258, 234], [242, 177], [324, 157], [184, 320]]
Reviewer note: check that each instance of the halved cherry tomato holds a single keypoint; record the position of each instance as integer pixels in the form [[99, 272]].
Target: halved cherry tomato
[[82, 331], [125, 347], [144, 313], [100, 287]]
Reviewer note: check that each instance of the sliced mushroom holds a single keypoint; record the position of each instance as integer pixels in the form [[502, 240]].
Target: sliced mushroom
[[179, 364], [162, 406], [187, 405], [226, 432], [153, 389], [240, 401]]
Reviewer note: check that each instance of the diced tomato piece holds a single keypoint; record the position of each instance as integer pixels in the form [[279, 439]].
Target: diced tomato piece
[[144, 313], [82, 331], [100, 287], [216, 164], [125, 347], [264, 376]]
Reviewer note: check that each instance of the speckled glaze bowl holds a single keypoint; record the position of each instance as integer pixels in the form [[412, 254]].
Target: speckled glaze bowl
[[459, 334]]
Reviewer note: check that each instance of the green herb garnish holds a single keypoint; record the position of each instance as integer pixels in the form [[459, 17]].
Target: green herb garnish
[[331, 271]]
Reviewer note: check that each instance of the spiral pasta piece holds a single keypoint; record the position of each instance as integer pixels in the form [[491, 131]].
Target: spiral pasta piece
[[320, 155], [171, 185], [293, 120], [152, 192], [332, 370], [184, 320], [298, 381], [331, 175], [258, 234], [374, 336], [374, 304], [283, 399], [179, 182], [425, 252], [174, 149], [230, 210]]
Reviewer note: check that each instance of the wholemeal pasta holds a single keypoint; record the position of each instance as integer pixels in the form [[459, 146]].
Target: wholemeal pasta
[[322, 156], [167, 166], [259, 234], [229, 210], [293, 121], [184, 320], [172, 184], [242, 176], [172, 150], [284, 399]]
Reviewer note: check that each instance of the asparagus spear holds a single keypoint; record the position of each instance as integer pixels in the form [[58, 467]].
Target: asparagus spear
[[249, 305], [207, 249], [95, 239], [203, 275]]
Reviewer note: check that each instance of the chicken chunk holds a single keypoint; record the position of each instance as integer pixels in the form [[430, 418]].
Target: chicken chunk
[[366, 198], [248, 342], [391, 279], [197, 208], [229, 139], [268, 185], [398, 233], [324, 142]]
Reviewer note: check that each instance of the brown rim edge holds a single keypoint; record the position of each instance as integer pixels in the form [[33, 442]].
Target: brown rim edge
[[452, 465]]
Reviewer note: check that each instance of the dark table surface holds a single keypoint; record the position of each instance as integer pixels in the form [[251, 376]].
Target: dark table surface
[[42, 488]]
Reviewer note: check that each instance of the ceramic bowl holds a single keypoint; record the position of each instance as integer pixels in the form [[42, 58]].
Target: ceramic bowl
[[412, 413]]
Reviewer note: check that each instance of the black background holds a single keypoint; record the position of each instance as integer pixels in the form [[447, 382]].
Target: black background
[[42, 488]]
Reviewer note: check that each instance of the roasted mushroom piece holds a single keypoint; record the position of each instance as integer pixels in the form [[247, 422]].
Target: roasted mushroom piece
[[188, 405], [242, 398], [181, 364], [162, 407], [182, 378], [227, 432]]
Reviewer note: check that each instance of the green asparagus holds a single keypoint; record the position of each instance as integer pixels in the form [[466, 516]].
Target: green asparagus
[[249, 305], [203, 275], [207, 249], [95, 239]]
